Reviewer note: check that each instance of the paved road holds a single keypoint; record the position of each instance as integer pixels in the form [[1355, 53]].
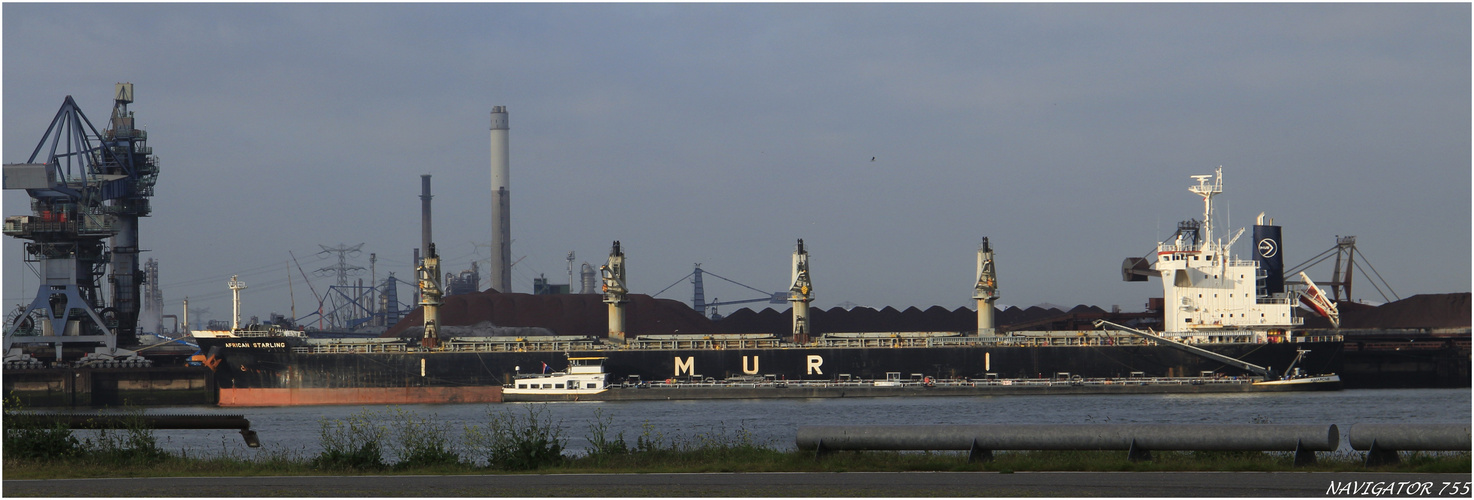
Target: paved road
[[852, 484]]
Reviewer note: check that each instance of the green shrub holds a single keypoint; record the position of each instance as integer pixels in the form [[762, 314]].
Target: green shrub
[[650, 441], [601, 446], [31, 438], [133, 444], [351, 444], [421, 441], [511, 443]]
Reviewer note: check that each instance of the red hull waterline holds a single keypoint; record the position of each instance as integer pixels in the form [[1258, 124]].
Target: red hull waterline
[[359, 396]]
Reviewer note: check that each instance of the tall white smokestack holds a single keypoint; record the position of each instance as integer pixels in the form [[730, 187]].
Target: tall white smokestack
[[501, 204]]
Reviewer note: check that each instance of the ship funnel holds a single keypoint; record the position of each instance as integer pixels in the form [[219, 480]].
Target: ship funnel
[[1270, 256]]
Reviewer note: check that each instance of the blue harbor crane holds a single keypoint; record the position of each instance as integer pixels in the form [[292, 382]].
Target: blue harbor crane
[[698, 295], [85, 187]]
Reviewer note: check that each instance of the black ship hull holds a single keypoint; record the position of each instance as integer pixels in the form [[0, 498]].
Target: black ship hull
[[268, 372]]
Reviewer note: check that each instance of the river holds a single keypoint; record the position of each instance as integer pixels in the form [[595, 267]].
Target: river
[[297, 430]]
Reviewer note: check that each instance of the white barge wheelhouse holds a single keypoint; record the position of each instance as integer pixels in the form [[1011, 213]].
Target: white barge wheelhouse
[[584, 377]]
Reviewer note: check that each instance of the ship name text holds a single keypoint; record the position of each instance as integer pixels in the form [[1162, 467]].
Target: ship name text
[[750, 365], [256, 345]]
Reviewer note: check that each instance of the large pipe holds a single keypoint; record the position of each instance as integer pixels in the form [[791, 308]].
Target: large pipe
[[501, 203], [1383, 441], [1410, 437], [1164, 437], [100, 421]]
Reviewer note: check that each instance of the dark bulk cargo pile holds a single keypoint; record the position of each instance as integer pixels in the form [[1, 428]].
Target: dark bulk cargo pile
[[582, 314], [586, 314], [494, 313], [1421, 341]]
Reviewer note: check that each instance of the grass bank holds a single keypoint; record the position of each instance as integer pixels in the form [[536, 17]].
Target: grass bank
[[526, 440]]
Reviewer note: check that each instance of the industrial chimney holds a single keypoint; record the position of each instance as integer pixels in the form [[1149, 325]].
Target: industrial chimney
[[501, 204], [425, 197]]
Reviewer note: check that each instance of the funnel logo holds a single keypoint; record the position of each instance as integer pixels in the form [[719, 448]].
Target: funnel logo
[[1268, 248]]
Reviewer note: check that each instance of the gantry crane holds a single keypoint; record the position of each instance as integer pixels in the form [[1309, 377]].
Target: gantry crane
[[87, 187]]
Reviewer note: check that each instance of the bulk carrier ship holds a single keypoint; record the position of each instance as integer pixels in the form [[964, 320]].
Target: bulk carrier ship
[[1229, 325]]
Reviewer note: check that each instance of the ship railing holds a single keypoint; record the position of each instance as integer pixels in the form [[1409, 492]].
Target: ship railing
[[1321, 338], [479, 346], [337, 347], [698, 382], [733, 343], [1077, 341], [256, 333], [1100, 382], [1072, 338]]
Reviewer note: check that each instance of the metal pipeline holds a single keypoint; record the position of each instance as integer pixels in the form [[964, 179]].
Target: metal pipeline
[[1409, 437], [1383, 441], [101, 421]]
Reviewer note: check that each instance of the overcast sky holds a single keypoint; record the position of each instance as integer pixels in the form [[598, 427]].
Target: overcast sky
[[720, 134]]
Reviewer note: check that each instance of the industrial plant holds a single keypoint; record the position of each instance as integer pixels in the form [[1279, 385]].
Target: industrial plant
[[99, 331]]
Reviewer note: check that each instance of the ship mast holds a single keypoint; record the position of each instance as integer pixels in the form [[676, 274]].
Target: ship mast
[[1207, 191], [235, 300]]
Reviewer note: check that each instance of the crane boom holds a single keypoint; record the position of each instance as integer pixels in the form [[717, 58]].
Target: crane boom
[[1256, 369]]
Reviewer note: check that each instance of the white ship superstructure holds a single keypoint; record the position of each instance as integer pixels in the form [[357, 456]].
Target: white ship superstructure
[[584, 377], [1207, 292]]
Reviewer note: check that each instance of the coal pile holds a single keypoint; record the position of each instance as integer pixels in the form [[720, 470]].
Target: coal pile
[[567, 314], [888, 319], [493, 313], [1424, 311]]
